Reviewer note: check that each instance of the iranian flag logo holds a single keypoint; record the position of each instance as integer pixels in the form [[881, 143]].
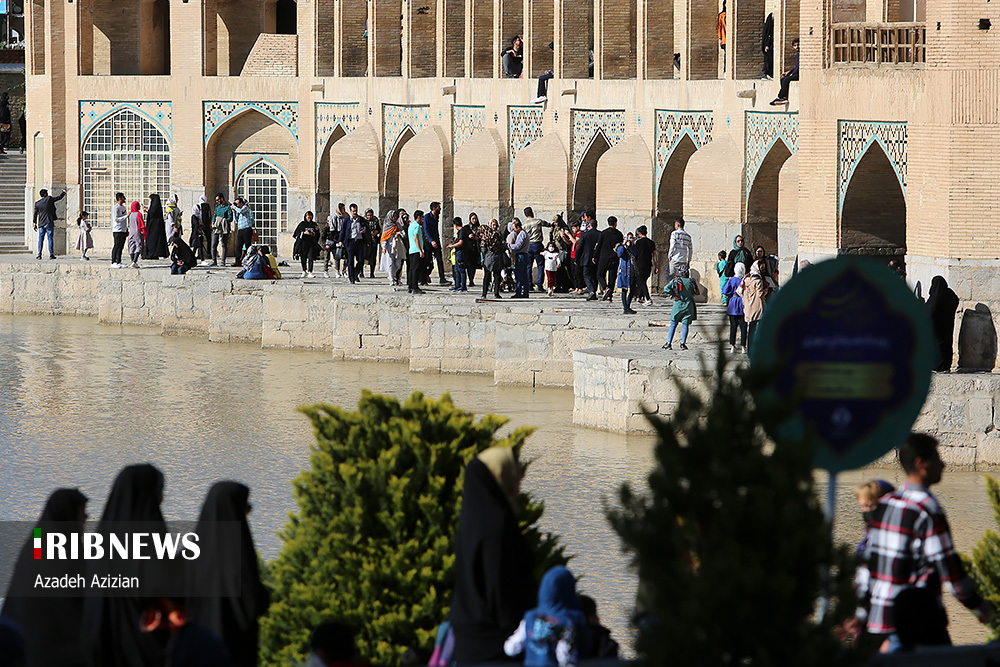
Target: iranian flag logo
[[38, 544]]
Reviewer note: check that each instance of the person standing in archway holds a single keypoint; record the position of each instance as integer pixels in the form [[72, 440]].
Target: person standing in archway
[[243, 216], [680, 250], [222, 225], [156, 236], [942, 303]]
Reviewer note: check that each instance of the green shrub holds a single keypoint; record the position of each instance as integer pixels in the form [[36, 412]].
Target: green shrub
[[373, 542], [729, 541], [984, 566]]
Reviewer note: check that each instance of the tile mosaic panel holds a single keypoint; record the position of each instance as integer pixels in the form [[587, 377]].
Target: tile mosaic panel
[[763, 130], [330, 115], [853, 139], [584, 126], [93, 112], [524, 125], [671, 126], [465, 121], [283, 113], [396, 118]]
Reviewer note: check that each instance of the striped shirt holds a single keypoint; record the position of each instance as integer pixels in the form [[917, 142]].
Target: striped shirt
[[680, 247], [909, 544]]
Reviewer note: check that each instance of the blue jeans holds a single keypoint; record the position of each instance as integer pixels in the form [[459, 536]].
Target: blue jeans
[[684, 332], [176, 268], [522, 273], [459, 271], [45, 231], [536, 258]]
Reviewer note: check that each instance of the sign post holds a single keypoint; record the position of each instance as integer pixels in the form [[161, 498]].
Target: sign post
[[852, 348]]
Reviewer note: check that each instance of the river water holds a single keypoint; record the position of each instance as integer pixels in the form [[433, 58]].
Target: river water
[[79, 400]]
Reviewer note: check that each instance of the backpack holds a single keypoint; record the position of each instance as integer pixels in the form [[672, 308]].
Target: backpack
[[730, 269]]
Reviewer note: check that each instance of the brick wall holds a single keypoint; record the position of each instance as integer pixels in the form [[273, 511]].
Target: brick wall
[[702, 57], [238, 26], [360, 150], [618, 56], [540, 32], [421, 34], [786, 29], [273, 55], [453, 33], [762, 201], [480, 170], [575, 37], [251, 133], [480, 37], [35, 24], [623, 177], [746, 19], [657, 29], [421, 170], [387, 47], [323, 42], [540, 176], [670, 190]]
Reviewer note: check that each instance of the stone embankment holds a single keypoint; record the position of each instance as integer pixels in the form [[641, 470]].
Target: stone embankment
[[612, 361]]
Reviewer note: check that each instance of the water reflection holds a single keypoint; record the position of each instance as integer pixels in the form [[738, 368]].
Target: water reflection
[[78, 401]]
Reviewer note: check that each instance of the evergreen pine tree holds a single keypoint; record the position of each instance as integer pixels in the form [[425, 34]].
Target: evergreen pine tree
[[372, 544], [729, 542], [984, 566]]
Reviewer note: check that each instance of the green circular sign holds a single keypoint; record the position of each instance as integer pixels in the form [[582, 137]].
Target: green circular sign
[[853, 348]]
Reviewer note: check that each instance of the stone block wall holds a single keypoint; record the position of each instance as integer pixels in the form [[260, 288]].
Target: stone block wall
[[273, 55]]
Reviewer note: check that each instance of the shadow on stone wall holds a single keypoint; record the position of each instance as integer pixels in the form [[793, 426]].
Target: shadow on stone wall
[[977, 340]]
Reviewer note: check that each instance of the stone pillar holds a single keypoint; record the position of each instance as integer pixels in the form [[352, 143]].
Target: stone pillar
[[210, 40], [746, 20], [421, 38], [575, 32], [384, 36], [615, 57], [701, 61], [656, 48], [187, 56]]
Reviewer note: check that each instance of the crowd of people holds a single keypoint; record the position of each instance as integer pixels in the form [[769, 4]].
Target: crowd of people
[[497, 609]]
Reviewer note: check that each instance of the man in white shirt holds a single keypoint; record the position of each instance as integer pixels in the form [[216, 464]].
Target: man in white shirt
[[119, 229], [679, 254]]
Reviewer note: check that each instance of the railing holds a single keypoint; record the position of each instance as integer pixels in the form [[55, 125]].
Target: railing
[[888, 44]]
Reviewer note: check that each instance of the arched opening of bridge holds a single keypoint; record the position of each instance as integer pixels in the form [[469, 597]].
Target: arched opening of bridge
[[873, 215]]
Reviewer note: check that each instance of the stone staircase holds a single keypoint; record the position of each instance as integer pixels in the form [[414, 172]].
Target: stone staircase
[[13, 173]]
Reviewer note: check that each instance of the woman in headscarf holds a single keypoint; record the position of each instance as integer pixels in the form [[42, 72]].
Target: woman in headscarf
[[391, 242], [473, 254], [556, 632], [196, 240], [5, 122], [111, 629], [493, 565], [306, 237], [136, 235], [942, 303], [754, 291], [156, 237], [738, 255], [684, 310], [51, 626], [372, 234], [173, 224], [207, 218], [734, 309], [228, 571]]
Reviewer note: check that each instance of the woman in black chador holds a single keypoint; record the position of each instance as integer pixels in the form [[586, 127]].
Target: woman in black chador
[[156, 233], [111, 625], [942, 304], [494, 581], [227, 572], [51, 625]]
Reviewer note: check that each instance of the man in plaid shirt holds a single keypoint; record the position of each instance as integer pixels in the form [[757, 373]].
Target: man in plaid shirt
[[910, 545]]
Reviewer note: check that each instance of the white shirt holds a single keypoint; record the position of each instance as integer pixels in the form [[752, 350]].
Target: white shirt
[[120, 221], [680, 247]]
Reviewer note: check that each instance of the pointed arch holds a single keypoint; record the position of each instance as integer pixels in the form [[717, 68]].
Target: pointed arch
[[237, 142], [761, 225], [323, 170], [125, 152], [585, 182], [873, 216], [391, 181], [265, 187], [670, 189]]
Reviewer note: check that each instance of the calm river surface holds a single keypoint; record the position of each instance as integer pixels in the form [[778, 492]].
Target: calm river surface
[[79, 400]]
